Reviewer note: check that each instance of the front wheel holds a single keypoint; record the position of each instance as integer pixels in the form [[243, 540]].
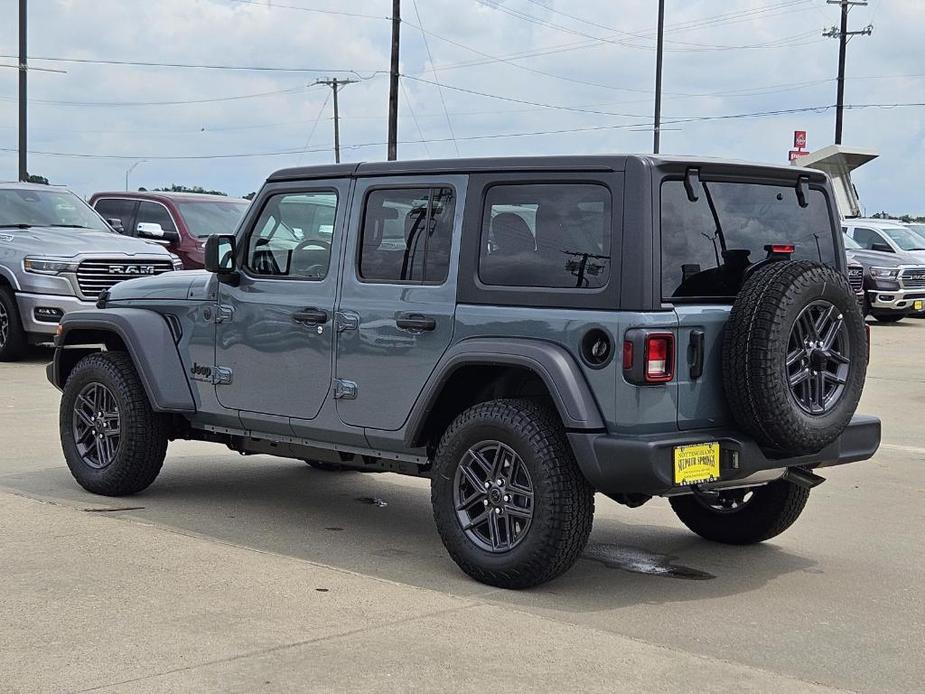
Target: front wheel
[[510, 504], [742, 516], [12, 336], [113, 442]]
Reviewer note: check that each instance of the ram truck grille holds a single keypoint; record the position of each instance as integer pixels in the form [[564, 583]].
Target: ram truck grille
[[856, 278], [93, 276], [913, 279]]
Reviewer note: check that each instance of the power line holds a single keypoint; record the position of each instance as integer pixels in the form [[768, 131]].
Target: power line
[[414, 118], [369, 74], [183, 102], [311, 133], [430, 58], [341, 13], [491, 136]]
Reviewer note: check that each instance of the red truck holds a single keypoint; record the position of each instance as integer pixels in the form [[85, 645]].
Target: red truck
[[180, 221]]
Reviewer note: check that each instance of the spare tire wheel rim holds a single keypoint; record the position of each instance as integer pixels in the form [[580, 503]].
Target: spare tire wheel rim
[[96, 425], [493, 496], [818, 357]]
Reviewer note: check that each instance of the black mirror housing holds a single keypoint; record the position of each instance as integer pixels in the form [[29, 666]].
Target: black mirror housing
[[220, 254], [882, 247], [116, 224]]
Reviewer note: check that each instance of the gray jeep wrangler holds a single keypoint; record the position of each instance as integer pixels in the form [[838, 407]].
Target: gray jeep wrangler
[[523, 331]]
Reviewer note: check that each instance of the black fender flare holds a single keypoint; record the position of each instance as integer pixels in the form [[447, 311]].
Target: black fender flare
[[149, 342], [554, 365]]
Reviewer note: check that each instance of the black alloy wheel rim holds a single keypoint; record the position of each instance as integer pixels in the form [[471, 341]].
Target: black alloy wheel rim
[[818, 358], [96, 425], [4, 325], [493, 496], [731, 501]]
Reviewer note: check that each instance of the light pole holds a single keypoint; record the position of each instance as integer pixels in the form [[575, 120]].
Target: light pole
[[130, 169]]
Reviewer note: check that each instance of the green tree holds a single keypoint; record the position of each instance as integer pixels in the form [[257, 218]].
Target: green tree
[[174, 188], [34, 178], [251, 195]]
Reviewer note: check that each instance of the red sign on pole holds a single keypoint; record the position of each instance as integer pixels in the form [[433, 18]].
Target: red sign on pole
[[799, 139], [796, 153]]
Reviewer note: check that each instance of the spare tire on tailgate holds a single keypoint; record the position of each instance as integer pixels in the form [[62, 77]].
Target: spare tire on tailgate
[[794, 356]]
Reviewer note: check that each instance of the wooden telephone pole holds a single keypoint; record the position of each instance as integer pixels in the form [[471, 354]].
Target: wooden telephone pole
[[336, 85]]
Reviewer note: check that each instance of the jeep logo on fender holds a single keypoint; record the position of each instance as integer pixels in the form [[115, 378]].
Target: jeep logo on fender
[[131, 269], [200, 372]]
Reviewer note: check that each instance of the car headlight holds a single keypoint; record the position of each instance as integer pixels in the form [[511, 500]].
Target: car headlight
[[48, 266], [884, 273], [176, 262]]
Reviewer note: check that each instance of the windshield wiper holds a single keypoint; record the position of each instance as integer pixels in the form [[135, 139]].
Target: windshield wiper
[[69, 226], [21, 225]]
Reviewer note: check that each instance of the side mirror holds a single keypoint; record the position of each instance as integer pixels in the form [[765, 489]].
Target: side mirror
[[219, 254], [116, 224], [155, 232], [882, 247]]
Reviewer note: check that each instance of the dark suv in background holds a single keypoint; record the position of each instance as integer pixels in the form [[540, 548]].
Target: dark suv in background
[[180, 221]]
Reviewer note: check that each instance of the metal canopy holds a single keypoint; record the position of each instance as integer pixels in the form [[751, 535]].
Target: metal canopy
[[838, 161]]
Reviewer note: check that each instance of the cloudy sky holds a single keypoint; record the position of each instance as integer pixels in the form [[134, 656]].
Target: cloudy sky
[[517, 76]]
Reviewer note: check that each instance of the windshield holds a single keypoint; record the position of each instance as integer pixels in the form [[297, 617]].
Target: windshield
[[25, 207], [918, 229], [207, 217], [708, 244], [906, 239]]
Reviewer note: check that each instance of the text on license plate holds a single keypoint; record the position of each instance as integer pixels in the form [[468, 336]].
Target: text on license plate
[[696, 463]]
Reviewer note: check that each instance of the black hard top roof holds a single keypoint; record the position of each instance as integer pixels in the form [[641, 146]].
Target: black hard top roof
[[596, 162]]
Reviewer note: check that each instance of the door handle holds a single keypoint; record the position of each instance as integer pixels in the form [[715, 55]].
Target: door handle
[[415, 323], [311, 316], [695, 354]]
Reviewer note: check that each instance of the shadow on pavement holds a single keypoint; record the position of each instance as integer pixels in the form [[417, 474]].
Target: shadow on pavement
[[381, 525]]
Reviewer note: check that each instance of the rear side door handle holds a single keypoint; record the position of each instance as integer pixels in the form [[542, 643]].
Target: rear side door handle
[[311, 316], [695, 350], [415, 323]]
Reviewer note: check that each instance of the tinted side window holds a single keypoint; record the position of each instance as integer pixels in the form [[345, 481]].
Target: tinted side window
[[406, 235], [292, 238], [867, 237], [123, 210], [546, 235], [154, 213]]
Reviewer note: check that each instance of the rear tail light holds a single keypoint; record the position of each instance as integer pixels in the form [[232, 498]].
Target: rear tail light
[[659, 357]]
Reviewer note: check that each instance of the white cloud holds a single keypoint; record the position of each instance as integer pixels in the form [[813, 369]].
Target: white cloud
[[267, 32]]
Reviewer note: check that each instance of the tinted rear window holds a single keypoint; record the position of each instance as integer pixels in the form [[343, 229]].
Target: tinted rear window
[[546, 235], [708, 243]]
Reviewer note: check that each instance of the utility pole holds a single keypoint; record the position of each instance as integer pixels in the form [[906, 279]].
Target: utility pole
[[23, 120], [336, 85], [393, 81], [658, 77], [842, 34]]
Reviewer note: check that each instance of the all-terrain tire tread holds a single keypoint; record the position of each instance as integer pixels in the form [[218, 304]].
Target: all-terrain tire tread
[[775, 508], [565, 519], [143, 443]]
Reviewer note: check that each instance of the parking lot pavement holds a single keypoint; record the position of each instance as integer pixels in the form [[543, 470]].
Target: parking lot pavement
[[238, 574]]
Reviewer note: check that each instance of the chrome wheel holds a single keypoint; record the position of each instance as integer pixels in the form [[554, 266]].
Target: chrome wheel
[[493, 495], [96, 425], [818, 358], [4, 325]]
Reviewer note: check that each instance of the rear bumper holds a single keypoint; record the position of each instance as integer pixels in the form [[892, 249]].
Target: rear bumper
[[644, 464]]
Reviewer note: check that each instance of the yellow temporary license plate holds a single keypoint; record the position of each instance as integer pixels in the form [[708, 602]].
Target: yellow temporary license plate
[[696, 463], [918, 305]]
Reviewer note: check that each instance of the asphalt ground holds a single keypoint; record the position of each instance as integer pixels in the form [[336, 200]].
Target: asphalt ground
[[248, 574]]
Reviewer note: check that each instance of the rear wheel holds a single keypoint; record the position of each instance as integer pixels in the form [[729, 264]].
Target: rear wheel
[[742, 516], [113, 442], [12, 335], [510, 504]]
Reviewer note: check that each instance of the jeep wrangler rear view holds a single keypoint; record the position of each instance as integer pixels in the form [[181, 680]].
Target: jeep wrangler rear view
[[523, 331]]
